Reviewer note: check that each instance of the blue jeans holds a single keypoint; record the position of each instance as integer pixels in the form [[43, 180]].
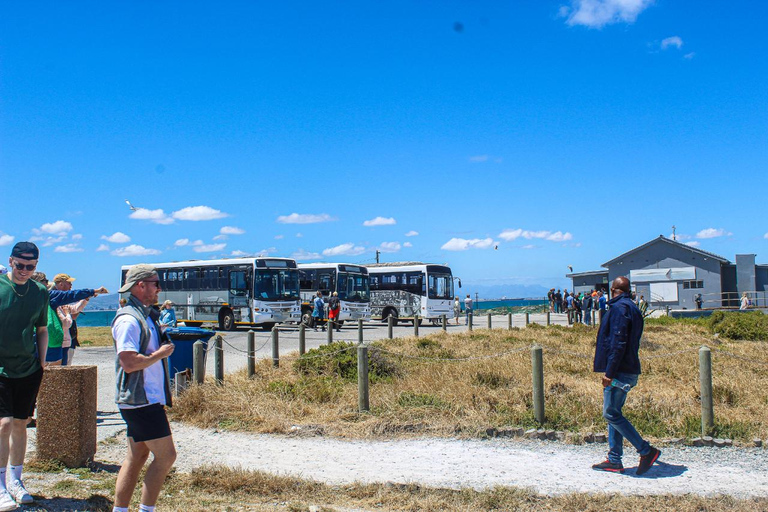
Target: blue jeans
[[466, 320], [619, 427], [587, 316]]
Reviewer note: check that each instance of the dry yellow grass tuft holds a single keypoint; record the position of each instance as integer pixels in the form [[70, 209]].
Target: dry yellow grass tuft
[[464, 398], [95, 336]]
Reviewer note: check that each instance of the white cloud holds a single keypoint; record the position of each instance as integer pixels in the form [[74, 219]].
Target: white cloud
[[198, 213], [279, 237], [181, 242], [407, 244], [102, 248], [196, 242], [462, 244], [671, 41], [77, 236], [134, 250], [267, 251], [299, 235], [49, 241], [380, 221], [304, 218], [68, 248], [412, 233], [209, 247], [6, 239], [693, 244], [513, 234], [478, 158], [389, 247], [220, 237], [239, 254], [348, 249], [598, 13], [231, 230], [157, 216], [712, 233], [689, 55], [116, 238], [679, 236], [528, 247], [302, 255], [59, 227]]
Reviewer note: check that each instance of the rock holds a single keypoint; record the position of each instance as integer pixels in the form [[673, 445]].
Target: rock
[[708, 441], [491, 432], [550, 435], [519, 432], [697, 441], [757, 442], [601, 438], [677, 440], [531, 433], [720, 443], [589, 437], [560, 435], [541, 433], [729, 442]]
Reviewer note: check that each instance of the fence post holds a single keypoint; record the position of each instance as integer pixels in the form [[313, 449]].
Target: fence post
[[705, 381], [416, 322], [302, 339], [218, 359], [549, 320], [275, 347], [594, 318], [538, 383], [527, 319], [471, 317], [509, 321], [251, 353], [490, 322], [198, 364], [444, 322], [360, 331], [329, 334], [389, 326], [362, 378]]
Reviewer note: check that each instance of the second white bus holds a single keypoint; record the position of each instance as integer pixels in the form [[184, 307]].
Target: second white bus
[[349, 281]]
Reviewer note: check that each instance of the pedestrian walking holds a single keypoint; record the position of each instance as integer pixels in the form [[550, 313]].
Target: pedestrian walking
[[698, 300], [23, 343], [143, 389], [318, 311], [467, 309], [334, 308], [617, 358], [456, 309]]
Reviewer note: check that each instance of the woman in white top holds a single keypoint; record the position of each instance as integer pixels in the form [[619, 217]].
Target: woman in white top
[[456, 309], [744, 301]]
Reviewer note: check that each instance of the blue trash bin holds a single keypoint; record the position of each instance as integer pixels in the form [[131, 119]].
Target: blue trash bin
[[184, 339]]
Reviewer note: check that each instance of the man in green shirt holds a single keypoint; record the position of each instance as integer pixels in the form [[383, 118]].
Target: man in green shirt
[[23, 317]]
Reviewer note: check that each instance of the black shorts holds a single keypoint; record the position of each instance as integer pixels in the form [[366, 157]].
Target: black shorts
[[17, 396], [146, 423]]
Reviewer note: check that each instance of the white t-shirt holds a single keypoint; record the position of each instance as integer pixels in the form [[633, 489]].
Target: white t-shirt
[[468, 303], [127, 334]]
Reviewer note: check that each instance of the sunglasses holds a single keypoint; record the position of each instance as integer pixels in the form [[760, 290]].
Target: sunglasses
[[22, 266], [156, 283]]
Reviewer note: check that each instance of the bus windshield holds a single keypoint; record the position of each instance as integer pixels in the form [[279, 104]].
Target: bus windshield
[[440, 286], [353, 287], [276, 284]]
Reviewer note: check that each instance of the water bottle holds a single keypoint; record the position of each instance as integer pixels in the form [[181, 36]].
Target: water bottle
[[618, 384]]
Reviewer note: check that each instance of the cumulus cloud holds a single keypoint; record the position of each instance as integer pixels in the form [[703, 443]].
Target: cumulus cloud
[[239, 254], [462, 244], [134, 250], [279, 237], [6, 239], [712, 233], [77, 236], [679, 236], [68, 248], [116, 238], [693, 244], [380, 221], [209, 247], [513, 234], [764, 236], [598, 13], [689, 55], [304, 218], [299, 235], [198, 213], [302, 255], [389, 247], [231, 230], [267, 251], [157, 216], [407, 244], [412, 233], [102, 248], [181, 242], [59, 227], [220, 237], [528, 247], [673, 41], [348, 249]]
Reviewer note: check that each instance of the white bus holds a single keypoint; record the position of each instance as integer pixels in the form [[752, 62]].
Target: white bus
[[411, 290], [231, 292], [350, 281]]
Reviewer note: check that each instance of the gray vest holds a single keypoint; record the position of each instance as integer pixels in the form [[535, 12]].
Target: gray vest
[[130, 386]]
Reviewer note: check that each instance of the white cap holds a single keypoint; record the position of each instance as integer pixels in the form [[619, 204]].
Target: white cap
[[3, 270]]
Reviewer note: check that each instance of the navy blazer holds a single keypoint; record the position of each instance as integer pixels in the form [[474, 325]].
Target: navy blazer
[[618, 341]]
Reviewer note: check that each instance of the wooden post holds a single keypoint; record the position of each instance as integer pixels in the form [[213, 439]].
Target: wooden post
[[389, 327], [537, 362], [198, 364], [509, 321], [445, 323], [470, 316], [329, 333], [549, 320], [360, 331], [705, 382], [302, 339], [416, 326], [594, 317], [490, 322], [275, 347], [218, 360], [527, 319], [362, 378], [251, 354]]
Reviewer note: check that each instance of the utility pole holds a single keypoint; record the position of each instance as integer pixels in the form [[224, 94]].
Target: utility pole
[[674, 237], [476, 299], [377, 255]]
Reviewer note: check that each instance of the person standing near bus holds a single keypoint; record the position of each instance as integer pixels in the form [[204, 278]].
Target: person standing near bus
[[456, 309], [468, 308], [318, 311], [334, 308]]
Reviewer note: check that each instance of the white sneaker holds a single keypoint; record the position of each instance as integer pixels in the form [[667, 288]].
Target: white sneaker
[[19, 493], [6, 502]]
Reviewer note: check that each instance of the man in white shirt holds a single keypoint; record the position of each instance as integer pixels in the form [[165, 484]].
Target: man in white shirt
[[143, 390], [468, 308]]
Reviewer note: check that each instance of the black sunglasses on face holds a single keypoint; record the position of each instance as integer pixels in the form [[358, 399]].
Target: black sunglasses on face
[[21, 266]]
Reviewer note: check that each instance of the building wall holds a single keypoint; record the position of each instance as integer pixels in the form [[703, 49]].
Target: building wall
[[583, 284], [728, 286], [665, 255]]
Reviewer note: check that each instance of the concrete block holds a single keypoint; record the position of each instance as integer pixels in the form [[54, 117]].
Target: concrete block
[[66, 415], [560, 435], [531, 433], [708, 441], [677, 440], [550, 435], [698, 442], [720, 443], [490, 432], [541, 434], [728, 443], [589, 437]]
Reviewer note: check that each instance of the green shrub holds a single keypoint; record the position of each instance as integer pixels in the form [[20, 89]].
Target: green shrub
[[333, 359], [751, 326]]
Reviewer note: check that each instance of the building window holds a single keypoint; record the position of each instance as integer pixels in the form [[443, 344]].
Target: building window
[[693, 284]]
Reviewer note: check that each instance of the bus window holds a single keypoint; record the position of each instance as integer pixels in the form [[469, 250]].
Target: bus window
[[237, 284]]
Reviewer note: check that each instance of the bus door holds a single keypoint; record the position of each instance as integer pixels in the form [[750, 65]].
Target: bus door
[[238, 291]]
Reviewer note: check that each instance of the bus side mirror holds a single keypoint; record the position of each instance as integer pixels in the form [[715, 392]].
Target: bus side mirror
[[459, 283]]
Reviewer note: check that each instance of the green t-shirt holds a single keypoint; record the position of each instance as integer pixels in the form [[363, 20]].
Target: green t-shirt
[[23, 308]]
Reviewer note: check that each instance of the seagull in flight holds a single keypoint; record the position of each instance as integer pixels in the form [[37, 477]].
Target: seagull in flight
[[130, 205], [570, 268]]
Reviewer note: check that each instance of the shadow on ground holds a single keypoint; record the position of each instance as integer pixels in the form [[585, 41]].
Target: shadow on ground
[[658, 470]]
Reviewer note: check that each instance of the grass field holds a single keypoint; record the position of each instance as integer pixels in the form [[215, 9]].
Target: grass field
[[95, 336], [425, 390]]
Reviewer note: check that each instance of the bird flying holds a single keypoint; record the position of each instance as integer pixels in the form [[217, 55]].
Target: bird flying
[[133, 208], [570, 268]]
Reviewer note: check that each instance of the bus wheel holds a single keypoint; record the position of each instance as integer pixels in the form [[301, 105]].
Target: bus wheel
[[227, 320], [417, 321], [267, 326], [391, 313]]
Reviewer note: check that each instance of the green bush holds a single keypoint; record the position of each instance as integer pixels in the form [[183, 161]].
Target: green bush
[[333, 359], [751, 326]]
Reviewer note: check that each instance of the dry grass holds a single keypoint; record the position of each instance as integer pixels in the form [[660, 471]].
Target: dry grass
[[446, 398], [95, 336], [218, 488]]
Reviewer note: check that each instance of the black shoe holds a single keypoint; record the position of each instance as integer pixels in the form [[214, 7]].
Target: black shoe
[[646, 461], [613, 467]]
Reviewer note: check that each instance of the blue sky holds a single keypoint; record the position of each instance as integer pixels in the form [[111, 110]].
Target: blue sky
[[507, 139]]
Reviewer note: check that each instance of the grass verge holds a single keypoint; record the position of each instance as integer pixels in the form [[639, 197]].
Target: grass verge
[[95, 336]]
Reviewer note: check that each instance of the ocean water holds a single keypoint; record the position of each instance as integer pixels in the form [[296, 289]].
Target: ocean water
[[506, 303], [95, 318]]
